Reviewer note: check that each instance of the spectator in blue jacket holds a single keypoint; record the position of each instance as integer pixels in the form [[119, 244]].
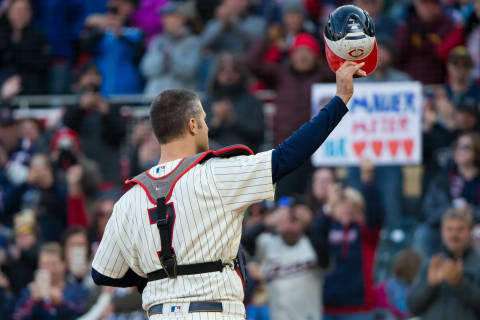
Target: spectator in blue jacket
[[117, 48], [351, 222], [50, 295]]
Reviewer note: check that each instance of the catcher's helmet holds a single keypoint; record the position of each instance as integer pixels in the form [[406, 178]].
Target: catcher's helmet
[[350, 35]]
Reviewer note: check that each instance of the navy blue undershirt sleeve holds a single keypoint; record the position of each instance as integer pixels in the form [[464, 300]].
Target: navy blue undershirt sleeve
[[300, 146], [130, 279]]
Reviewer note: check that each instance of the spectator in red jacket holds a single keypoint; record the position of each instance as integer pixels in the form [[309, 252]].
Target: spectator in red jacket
[[417, 38]]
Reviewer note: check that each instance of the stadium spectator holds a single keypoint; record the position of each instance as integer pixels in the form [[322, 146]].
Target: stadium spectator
[[102, 211], [352, 227], [439, 133], [233, 29], [391, 294], [75, 252], [145, 149], [24, 53], [147, 19], [67, 157], [281, 35], [22, 255], [32, 135], [461, 89], [51, 295], [417, 38], [458, 185], [292, 83], [117, 48], [14, 166], [287, 261], [174, 58], [465, 33], [61, 21], [447, 286], [99, 125], [46, 196], [321, 183], [234, 116], [384, 25]]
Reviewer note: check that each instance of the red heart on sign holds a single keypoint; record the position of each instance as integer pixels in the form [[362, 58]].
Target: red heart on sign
[[393, 146], [358, 147], [408, 145], [377, 147]]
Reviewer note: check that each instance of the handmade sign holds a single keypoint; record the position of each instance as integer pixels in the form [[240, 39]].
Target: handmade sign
[[384, 124]]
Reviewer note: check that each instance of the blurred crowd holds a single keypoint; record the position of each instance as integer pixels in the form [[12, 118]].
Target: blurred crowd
[[337, 244]]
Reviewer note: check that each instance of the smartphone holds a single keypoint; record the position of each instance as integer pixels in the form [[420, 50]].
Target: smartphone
[[42, 281], [78, 259]]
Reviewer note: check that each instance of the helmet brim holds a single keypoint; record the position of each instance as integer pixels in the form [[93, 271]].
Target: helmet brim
[[371, 61]]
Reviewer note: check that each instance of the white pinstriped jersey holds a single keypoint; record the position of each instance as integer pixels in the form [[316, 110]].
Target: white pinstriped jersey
[[209, 201]]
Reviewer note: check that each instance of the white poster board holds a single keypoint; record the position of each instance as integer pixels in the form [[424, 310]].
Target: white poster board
[[384, 124]]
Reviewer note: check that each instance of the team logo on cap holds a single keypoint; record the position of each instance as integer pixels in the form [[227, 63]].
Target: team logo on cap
[[355, 53]]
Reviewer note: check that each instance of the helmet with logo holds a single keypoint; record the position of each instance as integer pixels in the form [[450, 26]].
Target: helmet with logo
[[350, 35]]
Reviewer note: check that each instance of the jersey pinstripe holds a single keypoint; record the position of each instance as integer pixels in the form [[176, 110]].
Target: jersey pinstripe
[[208, 201]]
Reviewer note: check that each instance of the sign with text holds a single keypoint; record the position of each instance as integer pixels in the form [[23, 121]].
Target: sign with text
[[384, 124]]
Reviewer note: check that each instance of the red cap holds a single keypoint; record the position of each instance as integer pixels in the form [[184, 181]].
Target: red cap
[[305, 40], [335, 61], [65, 136]]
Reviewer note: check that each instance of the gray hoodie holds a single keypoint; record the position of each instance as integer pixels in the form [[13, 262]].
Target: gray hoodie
[[171, 63]]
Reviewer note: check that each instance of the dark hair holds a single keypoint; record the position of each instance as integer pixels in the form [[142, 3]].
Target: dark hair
[[70, 232], [170, 112]]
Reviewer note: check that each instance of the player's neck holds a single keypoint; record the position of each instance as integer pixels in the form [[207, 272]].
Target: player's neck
[[178, 149]]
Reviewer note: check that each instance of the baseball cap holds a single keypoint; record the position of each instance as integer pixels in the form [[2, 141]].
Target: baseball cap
[[460, 53], [305, 40], [66, 138]]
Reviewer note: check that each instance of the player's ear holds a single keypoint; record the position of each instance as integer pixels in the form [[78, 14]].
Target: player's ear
[[192, 126]]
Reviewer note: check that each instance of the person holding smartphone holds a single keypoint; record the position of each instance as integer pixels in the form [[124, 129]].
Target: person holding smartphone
[[50, 295]]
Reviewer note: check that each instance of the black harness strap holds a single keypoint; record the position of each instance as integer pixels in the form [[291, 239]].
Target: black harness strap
[[187, 269], [168, 259]]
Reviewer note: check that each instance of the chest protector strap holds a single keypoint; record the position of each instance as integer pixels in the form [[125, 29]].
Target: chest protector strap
[[161, 190]]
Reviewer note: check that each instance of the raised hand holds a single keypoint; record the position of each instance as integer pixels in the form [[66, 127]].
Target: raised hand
[[344, 77]]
